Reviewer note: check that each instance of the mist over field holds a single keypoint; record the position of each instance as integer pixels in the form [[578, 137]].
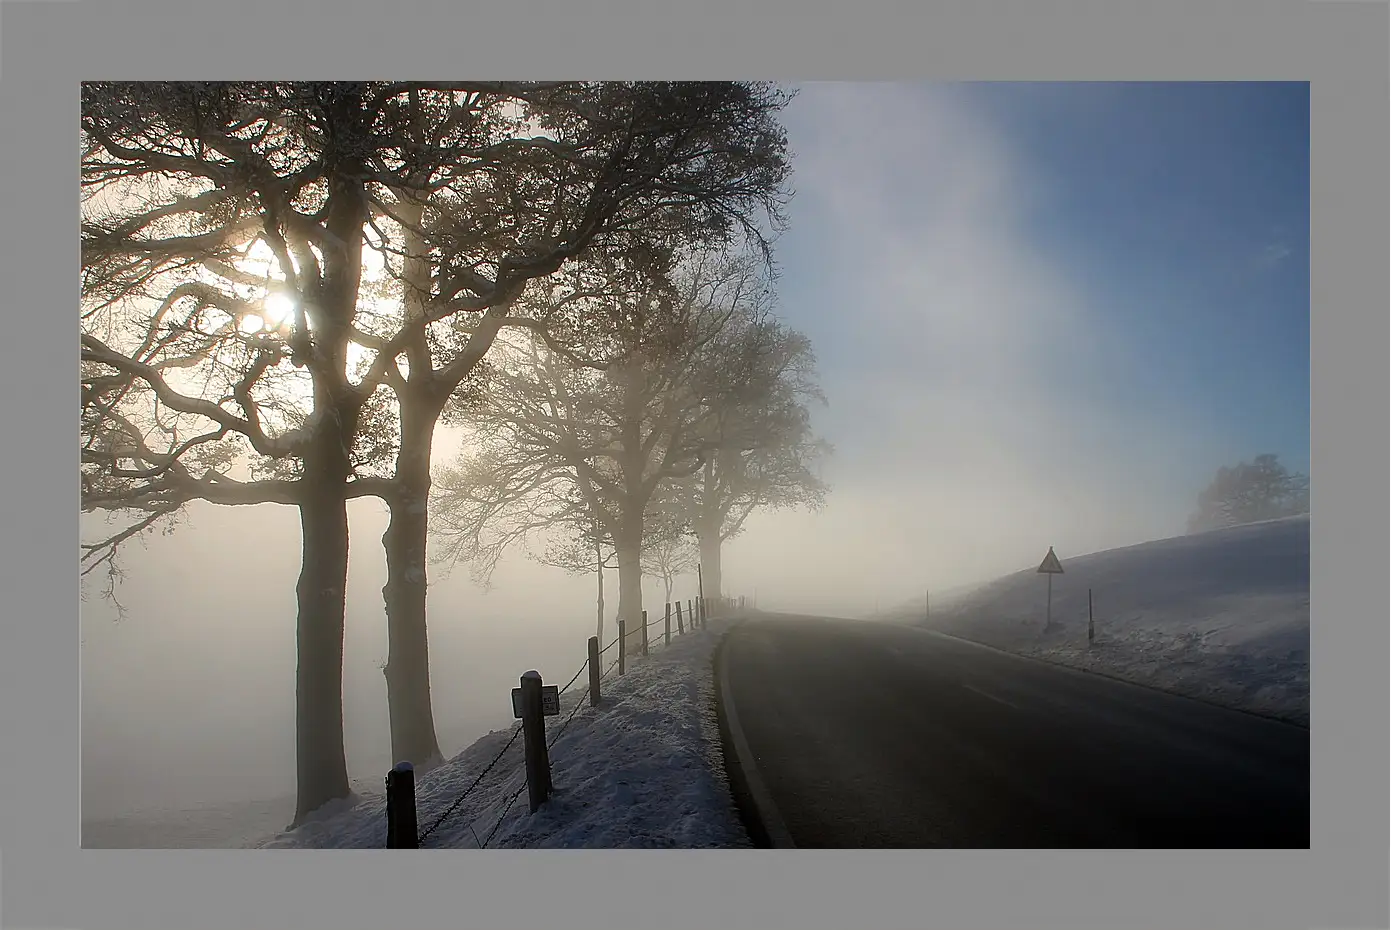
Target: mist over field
[[985, 402]]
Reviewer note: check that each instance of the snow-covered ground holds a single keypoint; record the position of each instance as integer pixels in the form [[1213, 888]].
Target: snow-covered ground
[[644, 769], [1220, 616]]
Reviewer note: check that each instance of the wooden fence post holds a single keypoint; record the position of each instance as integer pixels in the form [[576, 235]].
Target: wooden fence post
[[538, 767], [680, 621], [400, 807], [690, 612], [644, 632], [594, 671], [622, 645], [668, 623]]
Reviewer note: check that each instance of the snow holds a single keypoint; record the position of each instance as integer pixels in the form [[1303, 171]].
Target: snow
[[1220, 616], [644, 769]]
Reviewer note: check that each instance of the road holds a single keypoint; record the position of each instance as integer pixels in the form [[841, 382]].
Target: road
[[867, 735]]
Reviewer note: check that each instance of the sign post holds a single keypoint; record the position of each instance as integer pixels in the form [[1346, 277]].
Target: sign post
[[1050, 567]]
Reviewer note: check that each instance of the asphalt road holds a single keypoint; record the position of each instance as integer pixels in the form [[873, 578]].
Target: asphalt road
[[871, 735]]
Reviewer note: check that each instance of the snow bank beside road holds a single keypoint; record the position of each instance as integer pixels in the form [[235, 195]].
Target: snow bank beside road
[[644, 769], [1220, 616]]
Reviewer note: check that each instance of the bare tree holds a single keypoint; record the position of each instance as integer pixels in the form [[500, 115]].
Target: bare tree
[[673, 553], [760, 448], [469, 190], [565, 170], [564, 442]]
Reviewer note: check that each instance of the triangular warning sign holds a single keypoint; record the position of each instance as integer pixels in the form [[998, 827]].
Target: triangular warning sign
[[1051, 565]]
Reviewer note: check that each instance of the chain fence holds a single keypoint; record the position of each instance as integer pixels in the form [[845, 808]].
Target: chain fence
[[554, 738]]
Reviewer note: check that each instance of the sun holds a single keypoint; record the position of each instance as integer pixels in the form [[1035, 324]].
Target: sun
[[276, 309]]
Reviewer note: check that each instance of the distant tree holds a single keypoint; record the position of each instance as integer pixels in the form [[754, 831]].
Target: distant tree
[[673, 551], [1247, 493], [760, 452]]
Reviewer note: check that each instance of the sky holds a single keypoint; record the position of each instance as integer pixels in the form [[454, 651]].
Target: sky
[[1044, 316]]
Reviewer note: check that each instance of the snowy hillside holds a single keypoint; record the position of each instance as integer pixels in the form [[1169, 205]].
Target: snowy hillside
[[1220, 616], [643, 769]]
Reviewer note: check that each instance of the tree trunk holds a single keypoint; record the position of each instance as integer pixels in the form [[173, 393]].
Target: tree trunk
[[407, 670], [599, 569], [322, 770], [630, 587], [709, 538], [321, 766]]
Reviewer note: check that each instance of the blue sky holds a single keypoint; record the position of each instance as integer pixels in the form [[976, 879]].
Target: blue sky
[[1186, 207], [1046, 313]]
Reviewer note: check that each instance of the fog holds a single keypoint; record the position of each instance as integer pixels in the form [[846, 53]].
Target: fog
[[966, 380]]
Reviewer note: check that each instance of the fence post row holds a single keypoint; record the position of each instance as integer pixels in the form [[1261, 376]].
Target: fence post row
[[400, 807], [538, 776], [401, 822], [595, 671]]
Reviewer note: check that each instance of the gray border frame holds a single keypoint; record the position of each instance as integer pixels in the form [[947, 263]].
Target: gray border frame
[[48, 882]]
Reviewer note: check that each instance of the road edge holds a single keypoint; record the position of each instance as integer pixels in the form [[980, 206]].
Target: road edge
[[752, 801], [1269, 718]]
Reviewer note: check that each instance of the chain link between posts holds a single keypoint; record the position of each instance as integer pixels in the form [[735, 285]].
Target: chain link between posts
[[476, 782]]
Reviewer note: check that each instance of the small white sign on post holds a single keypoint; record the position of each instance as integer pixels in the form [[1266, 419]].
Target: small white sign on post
[[1050, 567], [550, 701]]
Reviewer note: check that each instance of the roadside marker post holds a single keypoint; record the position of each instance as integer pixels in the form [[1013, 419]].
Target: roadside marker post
[[1091, 624]]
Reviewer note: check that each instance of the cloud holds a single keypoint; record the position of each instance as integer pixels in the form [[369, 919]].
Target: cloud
[[1274, 254]]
